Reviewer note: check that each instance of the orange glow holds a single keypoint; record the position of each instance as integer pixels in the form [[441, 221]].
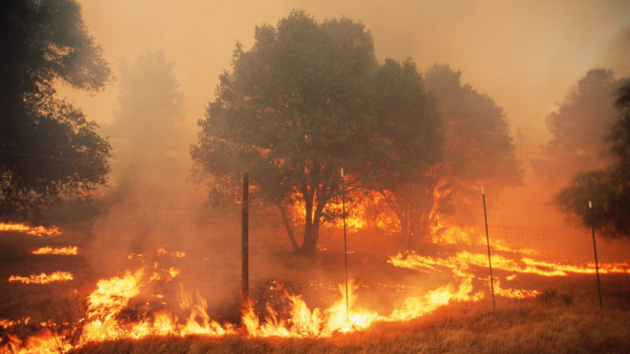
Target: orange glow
[[513, 293], [65, 251], [137, 257], [163, 252], [42, 278], [113, 295], [35, 231], [420, 306], [307, 323], [453, 235], [461, 261]]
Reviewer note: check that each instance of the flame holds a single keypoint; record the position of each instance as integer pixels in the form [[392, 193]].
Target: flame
[[163, 252], [35, 231], [420, 306], [513, 293], [42, 278], [65, 251], [461, 261], [307, 323], [453, 235], [112, 296], [106, 307], [138, 257]]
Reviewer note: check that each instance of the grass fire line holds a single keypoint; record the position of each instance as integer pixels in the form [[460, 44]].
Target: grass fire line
[[34, 231], [106, 306]]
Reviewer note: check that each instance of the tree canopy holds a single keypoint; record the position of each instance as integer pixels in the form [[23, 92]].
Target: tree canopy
[[478, 150], [293, 111], [578, 128], [48, 148], [406, 144], [608, 189], [145, 127], [309, 98]]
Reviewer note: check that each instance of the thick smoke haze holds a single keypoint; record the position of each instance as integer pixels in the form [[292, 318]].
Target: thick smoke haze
[[524, 55]]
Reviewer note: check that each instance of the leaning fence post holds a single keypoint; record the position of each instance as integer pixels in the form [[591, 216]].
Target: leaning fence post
[[599, 288], [485, 216], [245, 239]]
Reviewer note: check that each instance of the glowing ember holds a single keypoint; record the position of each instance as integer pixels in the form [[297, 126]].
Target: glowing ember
[[137, 257], [163, 252], [42, 278], [65, 251], [35, 231]]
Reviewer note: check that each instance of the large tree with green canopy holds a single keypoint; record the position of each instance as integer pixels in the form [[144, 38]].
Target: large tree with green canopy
[[294, 109]]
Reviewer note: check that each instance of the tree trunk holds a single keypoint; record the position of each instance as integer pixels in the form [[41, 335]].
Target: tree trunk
[[287, 226], [311, 234]]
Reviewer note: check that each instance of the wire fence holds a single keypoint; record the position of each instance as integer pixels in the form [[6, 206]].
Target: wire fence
[[160, 229]]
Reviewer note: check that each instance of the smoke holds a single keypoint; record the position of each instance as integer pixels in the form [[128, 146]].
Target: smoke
[[523, 55]]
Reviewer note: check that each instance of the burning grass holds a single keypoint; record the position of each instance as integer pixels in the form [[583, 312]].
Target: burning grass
[[42, 278], [391, 308], [63, 251], [29, 230], [526, 326]]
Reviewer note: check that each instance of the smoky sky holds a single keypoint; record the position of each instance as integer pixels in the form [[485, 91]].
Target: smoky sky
[[523, 54]]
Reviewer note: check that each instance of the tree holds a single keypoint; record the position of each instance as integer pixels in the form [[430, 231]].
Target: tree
[[144, 129], [478, 151], [406, 144], [48, 149], [292, 112], [608, 189], [578, 128]]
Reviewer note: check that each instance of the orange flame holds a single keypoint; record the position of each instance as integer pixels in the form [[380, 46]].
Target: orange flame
[[65, 251], [163, 252], [307, 323], [42, 278], [35, 231], [513, 293], [461, 261]]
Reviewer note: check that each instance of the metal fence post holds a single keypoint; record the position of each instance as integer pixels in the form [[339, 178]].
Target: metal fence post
[[245, 239], [599, 288], [485, 216]]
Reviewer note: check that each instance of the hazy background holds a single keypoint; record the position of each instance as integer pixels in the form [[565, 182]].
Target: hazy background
[[524, 55]]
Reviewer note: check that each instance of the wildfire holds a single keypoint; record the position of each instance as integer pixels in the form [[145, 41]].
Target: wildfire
[[460, 263], [138, 257], [42, 278], [307, 323], [420, 306], [35, 231], [454, 235], [112, 297], [65, 251], [513, 293], [163, 252]]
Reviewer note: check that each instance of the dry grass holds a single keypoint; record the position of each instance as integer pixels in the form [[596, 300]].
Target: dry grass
[[544, 325]]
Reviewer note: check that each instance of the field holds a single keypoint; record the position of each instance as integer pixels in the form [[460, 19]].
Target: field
[[557, 314], [552, 323]]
